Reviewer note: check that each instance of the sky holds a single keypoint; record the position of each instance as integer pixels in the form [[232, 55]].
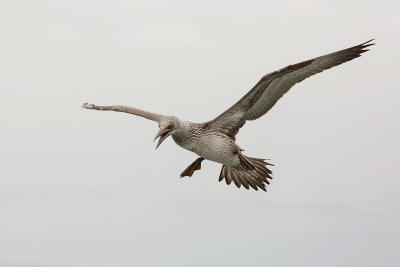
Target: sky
[[82, 188]]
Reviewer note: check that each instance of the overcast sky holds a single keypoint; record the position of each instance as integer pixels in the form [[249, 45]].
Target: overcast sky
[[85, 188]]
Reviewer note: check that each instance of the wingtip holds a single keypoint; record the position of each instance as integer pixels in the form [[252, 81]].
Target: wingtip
[[367, 43], [88, 106]]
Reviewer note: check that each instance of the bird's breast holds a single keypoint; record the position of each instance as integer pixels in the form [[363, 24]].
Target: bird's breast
[[214, 146], [184, 140]]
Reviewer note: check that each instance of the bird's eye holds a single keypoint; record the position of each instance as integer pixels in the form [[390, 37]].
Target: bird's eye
[[169, 126]]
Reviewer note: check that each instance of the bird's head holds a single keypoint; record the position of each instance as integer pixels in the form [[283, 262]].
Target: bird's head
[[168, 125]]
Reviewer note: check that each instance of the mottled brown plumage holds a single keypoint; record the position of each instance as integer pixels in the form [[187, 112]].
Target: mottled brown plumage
[[215, 140]]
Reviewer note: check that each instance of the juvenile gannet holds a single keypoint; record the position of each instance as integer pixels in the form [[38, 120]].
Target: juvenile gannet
[[215, 140]]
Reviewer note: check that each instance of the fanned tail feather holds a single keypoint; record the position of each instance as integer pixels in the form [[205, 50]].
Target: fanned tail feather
[[253, 173]]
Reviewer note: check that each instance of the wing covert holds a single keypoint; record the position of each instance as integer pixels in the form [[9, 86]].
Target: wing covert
[[131, 110], [264, 95]]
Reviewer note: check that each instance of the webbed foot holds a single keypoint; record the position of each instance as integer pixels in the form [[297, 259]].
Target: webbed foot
[[196, 165]]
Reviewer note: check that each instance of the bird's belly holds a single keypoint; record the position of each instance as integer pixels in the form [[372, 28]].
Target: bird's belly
[[217, 147]]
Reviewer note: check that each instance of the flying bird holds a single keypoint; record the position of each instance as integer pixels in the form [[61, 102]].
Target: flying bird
[[215, 140]]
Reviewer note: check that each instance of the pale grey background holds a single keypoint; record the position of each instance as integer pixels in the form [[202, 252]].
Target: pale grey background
[[86, 188]]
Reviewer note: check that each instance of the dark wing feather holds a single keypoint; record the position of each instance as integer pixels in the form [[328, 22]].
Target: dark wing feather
[[274, 85]]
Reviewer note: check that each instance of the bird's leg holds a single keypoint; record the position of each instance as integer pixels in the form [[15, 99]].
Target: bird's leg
[[196, 165]]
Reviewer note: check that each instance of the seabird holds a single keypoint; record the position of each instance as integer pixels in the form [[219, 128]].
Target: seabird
[[215, 140]]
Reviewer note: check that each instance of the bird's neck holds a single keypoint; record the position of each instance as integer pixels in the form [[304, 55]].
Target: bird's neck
[[183, 136], [184, 128]]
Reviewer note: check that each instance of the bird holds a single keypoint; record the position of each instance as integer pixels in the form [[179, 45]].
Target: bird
[[214, 140]]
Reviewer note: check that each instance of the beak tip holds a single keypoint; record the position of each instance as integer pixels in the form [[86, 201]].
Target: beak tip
[[163, 134]]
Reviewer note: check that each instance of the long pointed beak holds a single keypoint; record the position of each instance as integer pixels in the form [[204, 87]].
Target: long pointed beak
[[163, 134]]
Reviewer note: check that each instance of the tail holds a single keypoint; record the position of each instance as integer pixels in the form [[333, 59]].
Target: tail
[[256, 176]]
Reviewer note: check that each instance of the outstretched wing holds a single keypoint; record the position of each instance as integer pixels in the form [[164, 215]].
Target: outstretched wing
[[274, 85], [131, 110]]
